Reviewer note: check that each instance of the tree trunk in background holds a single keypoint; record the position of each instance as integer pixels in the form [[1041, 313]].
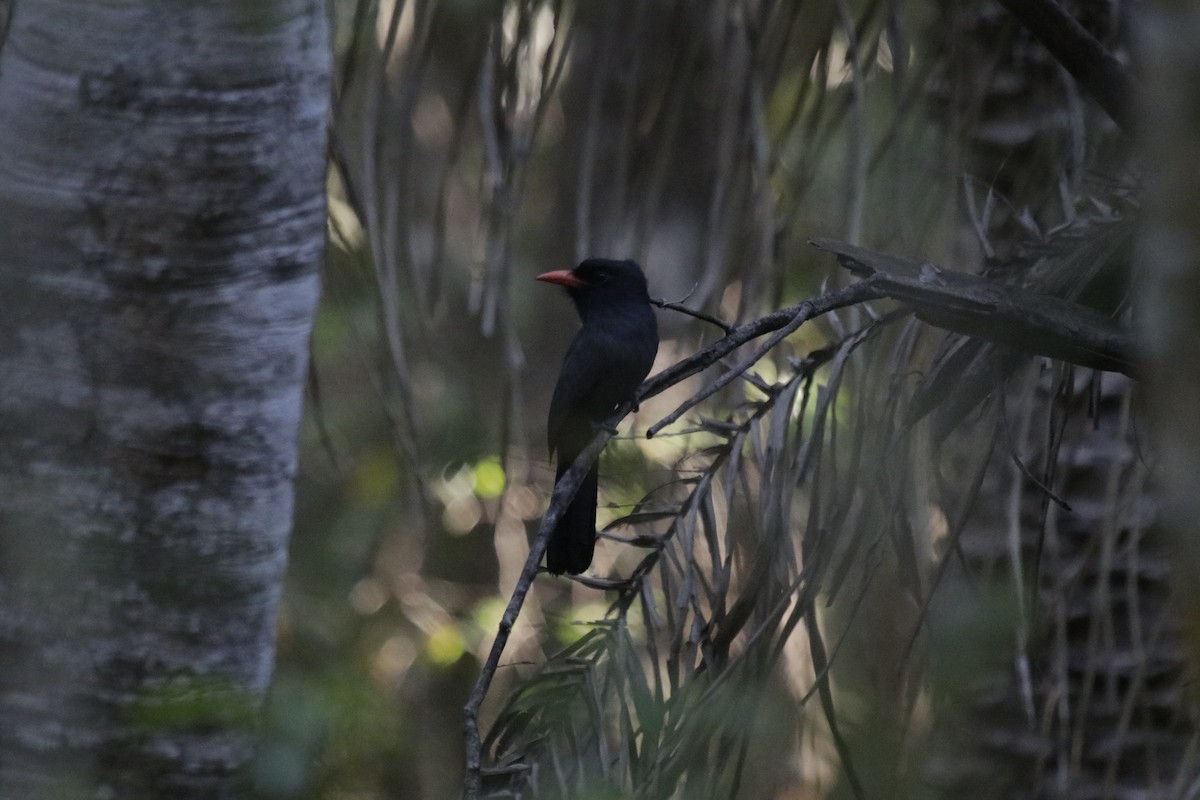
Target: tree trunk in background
[[162, 219], [1170, 292]]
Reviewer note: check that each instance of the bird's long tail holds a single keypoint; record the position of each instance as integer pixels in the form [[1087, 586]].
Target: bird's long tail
[[574, 538]]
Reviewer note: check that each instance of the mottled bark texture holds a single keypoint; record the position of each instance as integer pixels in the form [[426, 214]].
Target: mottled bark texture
[[162, 219]]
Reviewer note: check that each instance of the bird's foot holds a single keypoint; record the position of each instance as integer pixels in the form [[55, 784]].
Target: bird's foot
[[597, 427]]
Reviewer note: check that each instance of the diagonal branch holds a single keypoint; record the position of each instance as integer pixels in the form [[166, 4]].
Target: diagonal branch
[[564, 491], [730, 376], [725, 326], [993, 311], [809, 309], [1083, 55]]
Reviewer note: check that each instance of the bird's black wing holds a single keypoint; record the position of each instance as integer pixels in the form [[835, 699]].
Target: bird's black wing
[[568, 428]]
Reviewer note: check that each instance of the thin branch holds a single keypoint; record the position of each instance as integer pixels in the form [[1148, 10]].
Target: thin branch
[[787, 320], [811, 308], [953, 544], [1083, 55], [1016, 456], [733, 374], [669, 306]]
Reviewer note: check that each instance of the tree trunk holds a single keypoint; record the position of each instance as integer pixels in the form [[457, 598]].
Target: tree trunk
[[161, 225], [1170, 294]]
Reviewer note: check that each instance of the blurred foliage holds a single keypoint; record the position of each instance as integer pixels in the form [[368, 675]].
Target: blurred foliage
[[808, 591]]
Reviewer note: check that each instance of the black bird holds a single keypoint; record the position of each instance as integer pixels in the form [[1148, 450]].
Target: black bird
[[605, 364]]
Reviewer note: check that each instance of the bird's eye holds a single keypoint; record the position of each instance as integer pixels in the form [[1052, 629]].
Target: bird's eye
[[601, 278]]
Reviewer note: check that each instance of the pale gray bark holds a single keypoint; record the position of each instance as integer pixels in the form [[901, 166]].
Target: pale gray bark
[[161, 224]]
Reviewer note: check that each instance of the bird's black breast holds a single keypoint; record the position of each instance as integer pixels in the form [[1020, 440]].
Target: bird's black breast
[[607, 360]]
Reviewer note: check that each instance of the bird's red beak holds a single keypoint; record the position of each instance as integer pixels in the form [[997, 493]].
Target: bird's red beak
[[563, 277]]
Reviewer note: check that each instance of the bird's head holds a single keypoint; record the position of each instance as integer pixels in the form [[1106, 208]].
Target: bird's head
[[601, 282]]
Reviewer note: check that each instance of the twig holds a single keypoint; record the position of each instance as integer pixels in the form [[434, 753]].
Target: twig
[[725, 326], [788, 319], [814, 307], [734, 373]]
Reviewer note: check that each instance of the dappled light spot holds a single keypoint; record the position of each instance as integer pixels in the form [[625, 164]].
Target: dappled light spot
[[461, 515], [445, 644], [523, 503], [489, 478], [573, 627], [368, 596], [392, 660]]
